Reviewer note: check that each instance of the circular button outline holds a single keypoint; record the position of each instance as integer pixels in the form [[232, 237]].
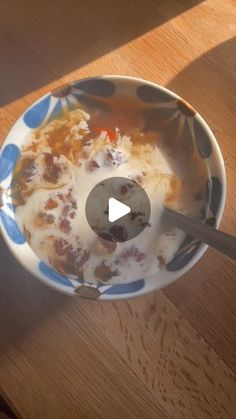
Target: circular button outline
[[126, 191]]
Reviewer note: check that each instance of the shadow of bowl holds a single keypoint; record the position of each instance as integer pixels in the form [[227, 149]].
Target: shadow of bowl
[[209, 84]]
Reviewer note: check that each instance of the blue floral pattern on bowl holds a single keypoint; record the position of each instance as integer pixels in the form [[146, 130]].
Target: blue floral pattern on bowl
[[166, 106], [8, 158]]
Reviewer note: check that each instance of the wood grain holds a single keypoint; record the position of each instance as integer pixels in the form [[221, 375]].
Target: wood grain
[[170, 354]]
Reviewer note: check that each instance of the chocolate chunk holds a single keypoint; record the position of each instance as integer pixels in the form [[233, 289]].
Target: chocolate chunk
[[118, 233], [47, 218], [52, 170], [104, 272], [61, 246], [75, 259], [65, 226], [52, 173], [48, 158], [28, 168]]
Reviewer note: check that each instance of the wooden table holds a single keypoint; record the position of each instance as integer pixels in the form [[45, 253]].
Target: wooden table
[[169, 354]]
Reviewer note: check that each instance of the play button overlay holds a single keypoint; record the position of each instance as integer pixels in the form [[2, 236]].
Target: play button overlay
[[118, 209]]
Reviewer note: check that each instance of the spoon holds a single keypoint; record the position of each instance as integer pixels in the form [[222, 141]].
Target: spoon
[[223, 242]]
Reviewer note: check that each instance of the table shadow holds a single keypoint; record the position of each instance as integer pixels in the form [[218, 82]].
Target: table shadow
[[209, 83], [41, 43]]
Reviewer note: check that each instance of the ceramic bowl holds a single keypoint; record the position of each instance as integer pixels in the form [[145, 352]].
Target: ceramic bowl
[[168, 107]]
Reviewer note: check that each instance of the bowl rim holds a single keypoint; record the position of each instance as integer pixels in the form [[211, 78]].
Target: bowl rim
[[202, 248]]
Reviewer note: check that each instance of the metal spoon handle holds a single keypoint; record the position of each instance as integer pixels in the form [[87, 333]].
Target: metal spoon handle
[[223, 242]]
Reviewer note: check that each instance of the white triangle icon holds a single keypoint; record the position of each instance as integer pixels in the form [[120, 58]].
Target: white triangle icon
[[116, 209]]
